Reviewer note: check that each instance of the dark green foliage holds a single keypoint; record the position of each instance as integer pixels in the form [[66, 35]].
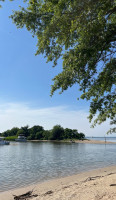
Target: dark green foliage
[[6, 133], [33, 131], [57, 133], [14, 131], [68, 133], [46, 135], [81, 136], [73, 134], [20, 132], [83, 34], [11, 132], [25, 131], [31, 137], [38, 133]]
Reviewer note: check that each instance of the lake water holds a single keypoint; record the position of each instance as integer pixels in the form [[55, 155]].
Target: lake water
[[27, 163]]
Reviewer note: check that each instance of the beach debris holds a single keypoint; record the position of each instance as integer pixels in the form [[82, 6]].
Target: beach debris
[[92, 178], [25, 196], [67, 186], [48, 192], [111, 173], [112, 184]]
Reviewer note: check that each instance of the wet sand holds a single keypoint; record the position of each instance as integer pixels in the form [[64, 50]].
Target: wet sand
[[98, 184]]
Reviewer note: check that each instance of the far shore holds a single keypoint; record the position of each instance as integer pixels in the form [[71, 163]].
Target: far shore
[[84, 141], [98, 184]]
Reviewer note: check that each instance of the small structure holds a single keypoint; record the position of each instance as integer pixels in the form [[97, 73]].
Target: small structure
[[21, 138], [72, 141], [3, 142]]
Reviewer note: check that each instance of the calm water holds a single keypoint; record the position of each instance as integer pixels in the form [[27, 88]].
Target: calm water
[[27, 163], [108, 139]]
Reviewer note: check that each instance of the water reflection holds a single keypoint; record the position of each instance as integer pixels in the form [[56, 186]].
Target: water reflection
[[27, 163]]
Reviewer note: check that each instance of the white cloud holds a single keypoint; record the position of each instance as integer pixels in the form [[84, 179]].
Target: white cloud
[[19, 114]]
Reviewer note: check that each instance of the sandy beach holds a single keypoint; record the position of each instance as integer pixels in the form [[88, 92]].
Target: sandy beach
[[77, 141], [94, 142], [93, 185]]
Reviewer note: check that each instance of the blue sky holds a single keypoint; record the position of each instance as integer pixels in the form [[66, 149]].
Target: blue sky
[[25, 83]]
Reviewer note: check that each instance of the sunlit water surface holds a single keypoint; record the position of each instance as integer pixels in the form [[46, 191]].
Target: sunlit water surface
[[27, 163]]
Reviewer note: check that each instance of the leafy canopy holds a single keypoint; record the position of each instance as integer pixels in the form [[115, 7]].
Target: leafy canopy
[[83, 34], [38, 133]]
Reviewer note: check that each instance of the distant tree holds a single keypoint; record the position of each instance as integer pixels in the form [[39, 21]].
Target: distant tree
[[25, 130], [14, 131], [6, 133], [68, 133], [31, 137], [20, 132], [81, 135], [46, 135], [34, 130], [39, 135], [57, 133], [73, 134], [11, 132]]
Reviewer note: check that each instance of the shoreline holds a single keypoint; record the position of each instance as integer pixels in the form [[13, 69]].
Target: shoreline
[[90, 185], [86, 141]]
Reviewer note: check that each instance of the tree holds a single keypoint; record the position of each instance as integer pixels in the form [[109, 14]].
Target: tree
[[81, 135], [6, 133], [13, 131], [20, 132], [57, 133], [46, 135], [68, 133], [83, 34], [25, 130], [34, 130], [39, 135], [73, 134]]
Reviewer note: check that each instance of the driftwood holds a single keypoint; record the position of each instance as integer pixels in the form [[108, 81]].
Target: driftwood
[[92, 178], [112, 184], [49, 192], [25, 196], [110, 174]]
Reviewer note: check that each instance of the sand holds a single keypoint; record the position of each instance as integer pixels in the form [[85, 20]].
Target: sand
[[94, 142], [98, 184], [77, 141]]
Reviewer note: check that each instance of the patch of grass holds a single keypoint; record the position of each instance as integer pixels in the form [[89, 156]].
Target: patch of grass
[[11, 138]]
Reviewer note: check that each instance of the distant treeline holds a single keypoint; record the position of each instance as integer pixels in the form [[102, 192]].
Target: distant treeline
[[38, 133]]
